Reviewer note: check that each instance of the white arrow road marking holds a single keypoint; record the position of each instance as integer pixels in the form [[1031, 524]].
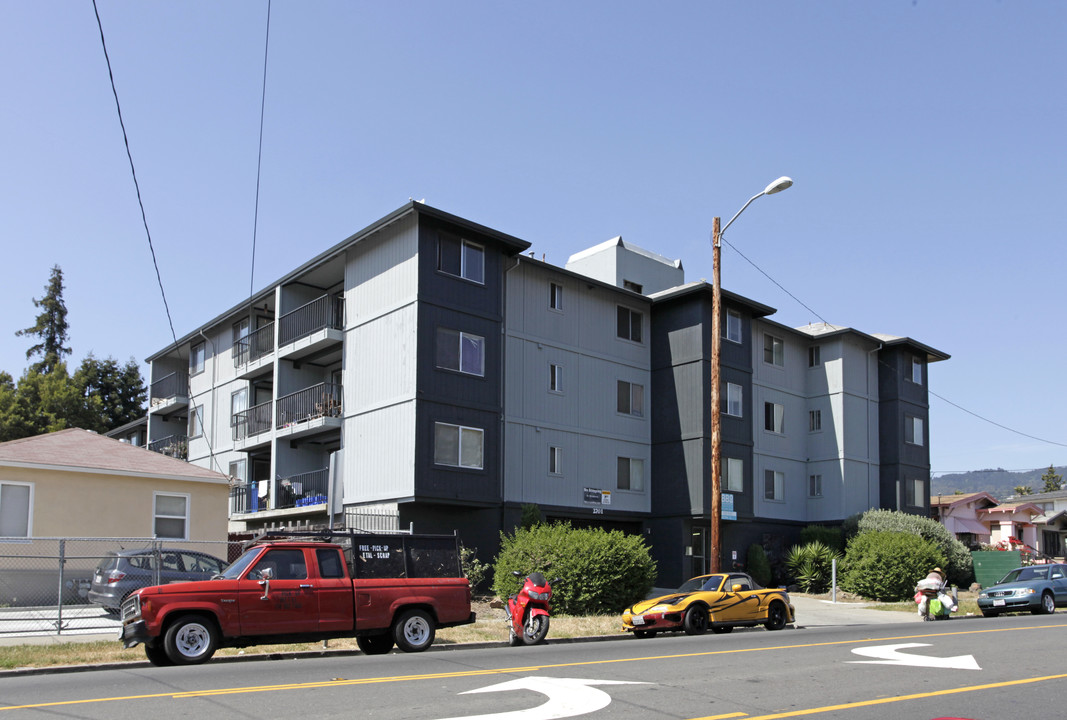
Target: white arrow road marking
[[890, 655], [567, 697]]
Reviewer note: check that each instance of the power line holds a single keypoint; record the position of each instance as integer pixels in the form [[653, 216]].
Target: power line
[[259, 159]]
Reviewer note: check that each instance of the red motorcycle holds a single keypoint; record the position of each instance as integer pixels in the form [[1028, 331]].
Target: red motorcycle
[[528, 611]]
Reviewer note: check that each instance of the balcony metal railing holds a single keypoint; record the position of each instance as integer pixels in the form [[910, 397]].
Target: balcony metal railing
[[169, 386], [253, 421], [254, 345], [175, 446], [310, 488], [322, 400], [327, 311], [241, 499]]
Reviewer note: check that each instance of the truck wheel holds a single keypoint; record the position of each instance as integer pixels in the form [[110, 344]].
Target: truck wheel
[[374, 644], [156, 654], [191, 640], [414, 631]]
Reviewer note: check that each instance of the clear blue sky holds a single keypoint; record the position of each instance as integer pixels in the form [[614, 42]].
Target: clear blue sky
[[926, 140]]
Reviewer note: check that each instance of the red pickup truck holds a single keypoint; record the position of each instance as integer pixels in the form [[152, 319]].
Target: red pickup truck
[[380, 589]]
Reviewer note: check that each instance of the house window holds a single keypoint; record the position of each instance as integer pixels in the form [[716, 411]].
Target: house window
[[632, 286], [461, 352], [461, 258], [555, 296], [16, 504], [814, 356], [555, 378], [914, 492], [774, 417], [555, 460], [733, 474], [734, 399], [913, 430], [196, 422], [171, 518], [733, 326], [773, 350], [631, 398], [814, 420], [196, 359], [458, 446], [631, 474], [814, 485], [773, 485], [916, 370], [629, 324]]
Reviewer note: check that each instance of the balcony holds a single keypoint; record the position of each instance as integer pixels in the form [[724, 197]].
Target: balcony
[[251, 428], [313, 330], [175, 446], [169, 393], [310, 411], [252, 353], [305, 490]]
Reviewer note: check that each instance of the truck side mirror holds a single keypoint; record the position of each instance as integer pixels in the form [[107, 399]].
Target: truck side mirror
[[266, 575]]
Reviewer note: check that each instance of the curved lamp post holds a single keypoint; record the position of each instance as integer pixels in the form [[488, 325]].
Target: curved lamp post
[[716, 401]]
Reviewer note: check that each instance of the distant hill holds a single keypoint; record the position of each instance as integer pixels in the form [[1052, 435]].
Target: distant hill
[[999, 483]]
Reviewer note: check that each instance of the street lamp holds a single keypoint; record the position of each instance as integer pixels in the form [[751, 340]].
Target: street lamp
[[716, 342]]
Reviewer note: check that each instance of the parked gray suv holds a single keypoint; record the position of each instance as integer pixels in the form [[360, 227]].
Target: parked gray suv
[[120, 573]]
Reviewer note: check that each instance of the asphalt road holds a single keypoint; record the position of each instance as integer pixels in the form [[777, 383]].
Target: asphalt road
[[969, 668]]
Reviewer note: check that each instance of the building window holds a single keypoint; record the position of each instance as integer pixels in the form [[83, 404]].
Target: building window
[[733, 474], [555, 296], [461, 258], [196, 359], [773, 485], [238, 471], [914, 492], [773, 350], [458, 446], [461, 352], [774, 417], [16, 505], [814, 420], [631, 398], [171, 518], [196, 422], [238, 405], [814, 485], [814, 356], [632, 286], [734, 397], [733, 326], [631, 474], [555, 460], [916, 370], [629, 324], [555, 378], [913, 430]]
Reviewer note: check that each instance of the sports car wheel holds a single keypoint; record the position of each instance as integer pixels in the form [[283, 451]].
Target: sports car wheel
[[1048, 605], [695, 621], [722, 629], [776, 616], [374, 644]]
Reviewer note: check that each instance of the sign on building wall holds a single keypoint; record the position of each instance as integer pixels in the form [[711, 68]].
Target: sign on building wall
[[727, 507]]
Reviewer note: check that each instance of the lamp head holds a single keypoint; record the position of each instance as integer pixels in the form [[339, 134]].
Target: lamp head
[[778, 185]]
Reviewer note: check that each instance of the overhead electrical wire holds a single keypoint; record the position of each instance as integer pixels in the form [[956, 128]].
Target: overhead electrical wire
[[259, 161]]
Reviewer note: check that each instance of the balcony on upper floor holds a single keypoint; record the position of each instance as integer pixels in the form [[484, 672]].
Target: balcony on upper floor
[[169, 393], [253, 354], [251, 428], [313, 331], [310, 411], [306, 492], [175, 446]]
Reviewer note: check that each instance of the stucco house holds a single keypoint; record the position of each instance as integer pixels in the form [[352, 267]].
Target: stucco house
[[959, 513]]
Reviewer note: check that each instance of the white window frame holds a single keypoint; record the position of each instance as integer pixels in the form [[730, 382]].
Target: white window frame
[[471, 258], [777, 485], [238, 470], [555, 460], [555, 297], [6, 531], [630, 399], [157, 516], [774, 417], [913, 430], [463, 432], [773, 350], [733, 474], [462, 352], [555, 378], [916, 375], [195, 426], [815, 485], [814, 420], [634, 319], [635, 471], [197, 358], [814, 356], [735, 400], [734, 326]]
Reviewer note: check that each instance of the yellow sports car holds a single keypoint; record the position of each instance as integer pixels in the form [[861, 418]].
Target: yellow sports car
[[721, 601]]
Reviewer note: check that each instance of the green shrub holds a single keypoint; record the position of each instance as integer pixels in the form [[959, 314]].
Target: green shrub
[[473, 568], [759, 567], [832, 537], [887, 565], [957, 558], [811, 566], [599, 572], [531, 515]]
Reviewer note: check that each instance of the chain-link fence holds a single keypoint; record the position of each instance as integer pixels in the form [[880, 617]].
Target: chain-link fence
[[56, 586]]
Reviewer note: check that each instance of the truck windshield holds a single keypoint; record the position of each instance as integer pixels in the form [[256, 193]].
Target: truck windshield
[[239, 565]]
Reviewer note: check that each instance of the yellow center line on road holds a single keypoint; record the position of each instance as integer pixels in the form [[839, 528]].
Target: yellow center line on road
[[527, 669]]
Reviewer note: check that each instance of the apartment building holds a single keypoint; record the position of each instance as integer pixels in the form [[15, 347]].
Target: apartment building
[[426, 372]]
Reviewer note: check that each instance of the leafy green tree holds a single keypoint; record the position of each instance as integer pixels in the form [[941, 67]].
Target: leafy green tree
[[51, 326], [1053, 481], [960, 565], [43, 402], [120, 390]]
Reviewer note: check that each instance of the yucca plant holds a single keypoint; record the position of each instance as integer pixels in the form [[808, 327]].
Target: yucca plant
[[811, 566]]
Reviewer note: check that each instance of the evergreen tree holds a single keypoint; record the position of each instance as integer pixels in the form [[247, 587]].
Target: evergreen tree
[[51, 326], [120, 391], [1053, 481], [1024, 490]]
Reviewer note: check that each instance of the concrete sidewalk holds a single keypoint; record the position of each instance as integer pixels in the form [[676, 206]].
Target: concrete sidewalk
[[814, 612]]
